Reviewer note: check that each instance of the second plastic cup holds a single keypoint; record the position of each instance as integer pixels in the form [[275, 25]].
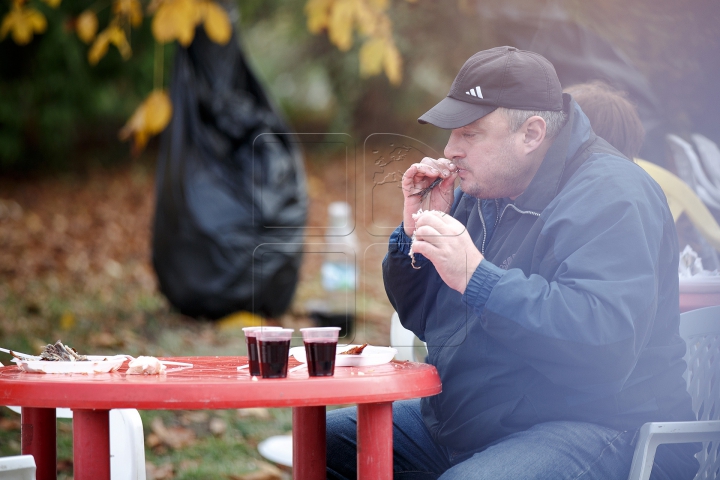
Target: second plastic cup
[[251, 342], [273, 349], [320, 346]]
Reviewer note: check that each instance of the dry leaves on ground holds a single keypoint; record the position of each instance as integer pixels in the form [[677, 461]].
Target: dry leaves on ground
[[173, 437], [265, 471]]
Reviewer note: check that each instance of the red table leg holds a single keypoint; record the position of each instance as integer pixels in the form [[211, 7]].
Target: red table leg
[[309, 443], [375, 443], [38, 431], [91, 444]]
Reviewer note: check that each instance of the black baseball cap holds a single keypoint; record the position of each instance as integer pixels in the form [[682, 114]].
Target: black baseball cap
[[498, 77]]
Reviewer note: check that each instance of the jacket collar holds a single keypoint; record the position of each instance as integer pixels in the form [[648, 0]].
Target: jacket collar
[[546, 183]]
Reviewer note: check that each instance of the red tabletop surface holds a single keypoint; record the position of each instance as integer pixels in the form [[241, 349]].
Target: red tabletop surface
[[215, 383]]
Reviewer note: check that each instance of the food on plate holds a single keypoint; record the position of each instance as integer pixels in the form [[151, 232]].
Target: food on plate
[[354, 350], [145, 366], [61, 353]]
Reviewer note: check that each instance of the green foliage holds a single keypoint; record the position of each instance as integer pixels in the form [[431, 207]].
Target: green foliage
[[54, 105]]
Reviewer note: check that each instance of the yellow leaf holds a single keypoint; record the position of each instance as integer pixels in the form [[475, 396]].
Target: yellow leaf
[[150, 118], [392, 64], [176, 20], [67, 320], [118, 38], [379, 4], [86, 26], [22, 23], [318, 14], [53, 3], [372, 55], [340, 28], [217, 24], [366, 19], [159, 111], [99, 48], [130, 9]]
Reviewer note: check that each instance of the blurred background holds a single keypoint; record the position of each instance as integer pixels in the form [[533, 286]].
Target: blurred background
[[89, 162]]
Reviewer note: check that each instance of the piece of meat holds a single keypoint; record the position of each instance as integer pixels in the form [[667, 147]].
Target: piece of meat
[[61, 353], [355, 350]]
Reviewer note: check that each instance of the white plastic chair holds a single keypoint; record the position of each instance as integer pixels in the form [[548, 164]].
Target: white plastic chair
[[19, 467], [701, 331], [127, 443], [408, 346]]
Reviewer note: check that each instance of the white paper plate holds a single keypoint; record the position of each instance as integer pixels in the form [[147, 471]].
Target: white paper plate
[[370, 356], [95, 364]]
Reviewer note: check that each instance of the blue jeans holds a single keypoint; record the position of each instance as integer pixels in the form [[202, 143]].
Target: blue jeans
[[547, 451]]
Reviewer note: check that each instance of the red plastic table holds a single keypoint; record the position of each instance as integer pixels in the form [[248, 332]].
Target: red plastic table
[[214, 383]]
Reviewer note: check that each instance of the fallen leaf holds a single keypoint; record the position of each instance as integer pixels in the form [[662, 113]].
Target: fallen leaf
[[10, 424], [266, 471], [260, 413], [173, 437], [159, 472], [217, 426], [194, 416]]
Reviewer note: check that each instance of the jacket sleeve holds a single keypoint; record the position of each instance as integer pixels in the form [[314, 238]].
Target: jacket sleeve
[[584, 313], [406, 286]]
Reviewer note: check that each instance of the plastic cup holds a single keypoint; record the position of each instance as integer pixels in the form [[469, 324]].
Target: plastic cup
[[320, 346], [273, 349], [251, 342]]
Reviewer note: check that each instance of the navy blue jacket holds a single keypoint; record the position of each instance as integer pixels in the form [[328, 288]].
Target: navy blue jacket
[[572, 315]]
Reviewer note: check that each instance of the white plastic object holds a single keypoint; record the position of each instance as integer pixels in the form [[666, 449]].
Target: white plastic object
[[127, 443], [370, 356], [277, 449], [95, 364], [409, 347], [701, 331], [338, 271], [18, 467]]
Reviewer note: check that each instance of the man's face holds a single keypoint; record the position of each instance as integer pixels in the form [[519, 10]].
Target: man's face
[[490, 158]]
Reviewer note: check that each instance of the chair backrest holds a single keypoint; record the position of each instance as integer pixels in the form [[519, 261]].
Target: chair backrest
[[701, 331], [682, 199], [19, 467]]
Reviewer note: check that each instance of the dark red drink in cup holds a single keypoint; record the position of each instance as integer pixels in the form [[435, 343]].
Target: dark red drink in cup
[[320, 347], [252, 350], [273, 349]]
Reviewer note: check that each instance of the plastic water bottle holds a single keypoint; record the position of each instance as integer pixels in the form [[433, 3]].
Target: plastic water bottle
[[339, 265]]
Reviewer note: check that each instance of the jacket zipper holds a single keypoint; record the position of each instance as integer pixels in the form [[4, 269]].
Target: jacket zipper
[[498, 218]]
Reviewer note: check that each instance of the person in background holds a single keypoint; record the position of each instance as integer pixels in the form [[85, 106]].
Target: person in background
[[545, 287], [612, 116]]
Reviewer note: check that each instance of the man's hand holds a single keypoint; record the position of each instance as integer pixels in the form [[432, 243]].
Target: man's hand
[[419, 177], [447, 244]]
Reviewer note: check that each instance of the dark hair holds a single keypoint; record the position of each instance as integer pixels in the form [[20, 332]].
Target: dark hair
[[612, 116]]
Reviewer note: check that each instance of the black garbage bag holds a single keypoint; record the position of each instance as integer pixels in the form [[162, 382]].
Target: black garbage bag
[[231, 197]]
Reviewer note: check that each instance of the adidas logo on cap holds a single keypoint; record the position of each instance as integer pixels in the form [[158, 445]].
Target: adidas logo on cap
[[475, 92]]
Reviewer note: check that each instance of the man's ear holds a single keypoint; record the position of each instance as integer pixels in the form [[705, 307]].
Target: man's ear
[[533, 131]]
